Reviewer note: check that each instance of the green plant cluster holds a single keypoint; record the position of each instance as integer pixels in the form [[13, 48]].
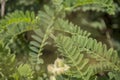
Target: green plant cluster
[[49, 35]]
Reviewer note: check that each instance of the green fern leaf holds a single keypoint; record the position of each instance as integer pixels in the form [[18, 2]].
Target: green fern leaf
[[15, 24], [46, 19], [97, 5], [68, 28], [104, 59], [74, 58]]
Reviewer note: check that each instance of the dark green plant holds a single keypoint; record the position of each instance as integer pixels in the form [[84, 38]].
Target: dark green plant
[[10, 69], [79, 56]]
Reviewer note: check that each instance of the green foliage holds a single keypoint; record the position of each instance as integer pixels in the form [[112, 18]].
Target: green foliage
[[17, 18], [69, 28], [74, 58], [97, 5], [78, 47], [84, 57], [24, 72], [40, 39], [7, 62], [9, 69], [14, 25], [114, 75], [17, 23], [12, 29]]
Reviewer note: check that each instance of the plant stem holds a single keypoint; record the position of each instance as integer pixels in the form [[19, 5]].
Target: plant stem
[[2, 8]]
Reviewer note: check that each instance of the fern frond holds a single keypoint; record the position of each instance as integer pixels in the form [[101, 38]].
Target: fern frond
[[67, 27], [16, 23], [81, 52], [13, 27], [41, 35], [92, 8], [104, 59], [74, 58], [17, 17], [85, 55], [105, 5]]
